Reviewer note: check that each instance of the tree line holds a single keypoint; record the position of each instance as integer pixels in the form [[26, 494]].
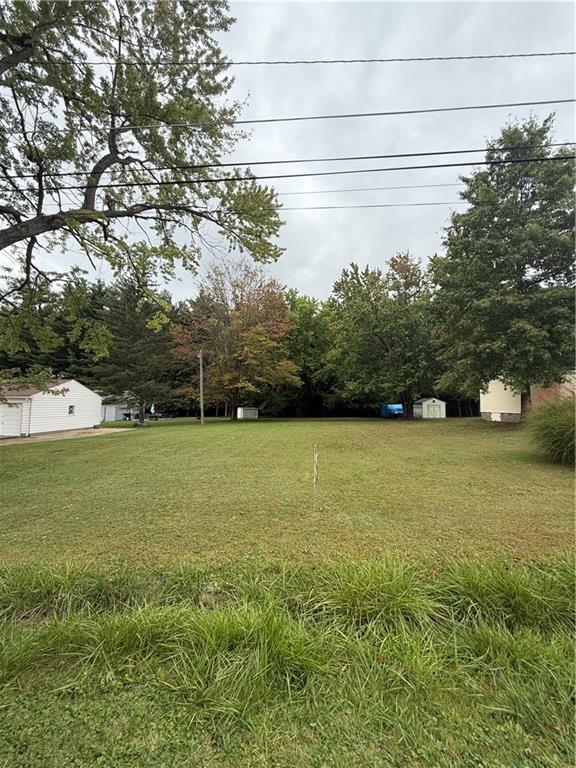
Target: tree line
[[497, 304]]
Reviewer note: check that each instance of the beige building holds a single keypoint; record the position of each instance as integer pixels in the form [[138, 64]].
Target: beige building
[[500, 403]]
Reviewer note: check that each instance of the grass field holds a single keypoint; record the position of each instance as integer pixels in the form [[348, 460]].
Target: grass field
[[175, 597], [177, 490]]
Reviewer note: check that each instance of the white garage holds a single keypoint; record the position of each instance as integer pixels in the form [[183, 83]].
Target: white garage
[[66, 405], [429, 408]]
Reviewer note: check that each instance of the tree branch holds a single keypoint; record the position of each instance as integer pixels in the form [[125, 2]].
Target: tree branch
[[23, 45], [39, 225], [105, 162]]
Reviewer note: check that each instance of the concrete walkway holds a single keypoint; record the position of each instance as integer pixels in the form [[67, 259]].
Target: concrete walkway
[[45, 436]]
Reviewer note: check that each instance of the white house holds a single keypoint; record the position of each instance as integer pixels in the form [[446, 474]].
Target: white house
[[429, 408], [66, 405], [500, 403]]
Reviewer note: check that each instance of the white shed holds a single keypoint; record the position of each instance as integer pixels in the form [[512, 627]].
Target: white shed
[[247, 413], [66, 405], [500, 403], [429, 408]]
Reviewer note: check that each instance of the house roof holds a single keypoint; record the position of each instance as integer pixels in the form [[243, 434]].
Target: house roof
[[427, 399], [29, 391]]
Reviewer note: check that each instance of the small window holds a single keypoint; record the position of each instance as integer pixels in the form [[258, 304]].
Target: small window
[[71, 410]]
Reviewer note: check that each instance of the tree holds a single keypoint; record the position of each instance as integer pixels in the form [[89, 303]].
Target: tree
[[59, 329], [504, 305], [138, 365], [240, 320], [308, 342], [116, 112], [380, 330]]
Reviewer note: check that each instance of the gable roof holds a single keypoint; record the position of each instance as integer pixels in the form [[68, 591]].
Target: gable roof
[[427, 399], [29, 391]]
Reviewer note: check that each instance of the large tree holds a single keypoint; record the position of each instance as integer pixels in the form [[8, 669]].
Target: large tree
[[239, 320], [116, 112], [307, 342], [138, 366], [504, 304], [380, 328]]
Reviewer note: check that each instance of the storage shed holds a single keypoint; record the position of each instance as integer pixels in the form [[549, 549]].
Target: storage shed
[[429, 408], [500, 403], [247, 413], [66, 405]]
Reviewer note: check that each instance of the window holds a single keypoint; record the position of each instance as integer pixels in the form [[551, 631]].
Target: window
[[71, 410]]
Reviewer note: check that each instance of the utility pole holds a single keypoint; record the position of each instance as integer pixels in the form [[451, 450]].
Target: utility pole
[[201, 360]]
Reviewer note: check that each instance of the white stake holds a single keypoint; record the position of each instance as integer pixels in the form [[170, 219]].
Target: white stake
[[201, 361], [315, 466]]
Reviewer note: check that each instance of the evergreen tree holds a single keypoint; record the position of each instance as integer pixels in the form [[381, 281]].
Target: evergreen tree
[[138, 365]]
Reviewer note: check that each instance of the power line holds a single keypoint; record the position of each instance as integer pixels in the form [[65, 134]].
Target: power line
[[236, 164], [236, 179], [276, 62], [354, 189], [300, 118], [392, 113], [367, 189], [368, 205]]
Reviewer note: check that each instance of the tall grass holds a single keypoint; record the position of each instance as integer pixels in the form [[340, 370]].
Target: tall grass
[[553, 428], [531, 594], [394, 661]]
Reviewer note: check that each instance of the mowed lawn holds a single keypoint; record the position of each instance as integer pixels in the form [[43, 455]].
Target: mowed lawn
[[239, 490], [177, 596]]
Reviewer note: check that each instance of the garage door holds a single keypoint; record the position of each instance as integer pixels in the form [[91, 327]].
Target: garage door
[[10, 419], [434, 411]]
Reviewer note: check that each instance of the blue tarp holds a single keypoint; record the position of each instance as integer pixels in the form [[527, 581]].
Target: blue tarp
[[391, 410]]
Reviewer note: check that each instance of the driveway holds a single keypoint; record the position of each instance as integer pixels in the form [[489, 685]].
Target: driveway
[[89, 432]]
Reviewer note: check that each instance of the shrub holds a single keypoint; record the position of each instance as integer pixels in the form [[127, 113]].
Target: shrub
[[553, 429]]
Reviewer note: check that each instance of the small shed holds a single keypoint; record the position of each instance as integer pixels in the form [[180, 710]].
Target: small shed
[[500, 403], [429, 408], [65, 405], [247, 413]]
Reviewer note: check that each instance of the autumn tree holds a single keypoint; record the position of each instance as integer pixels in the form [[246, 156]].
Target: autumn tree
[[504, 304], [381, 335], [239, 320], [115, 113]]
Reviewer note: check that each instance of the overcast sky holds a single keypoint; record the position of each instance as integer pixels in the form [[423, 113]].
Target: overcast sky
[[319, 244]]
